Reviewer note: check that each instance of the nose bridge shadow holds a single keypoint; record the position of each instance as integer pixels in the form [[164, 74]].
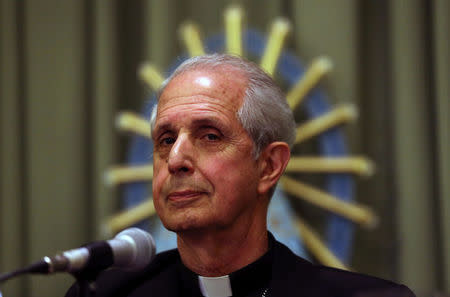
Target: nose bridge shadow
[[180, 157]]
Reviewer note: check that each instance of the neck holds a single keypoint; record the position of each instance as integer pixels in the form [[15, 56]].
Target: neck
[[218, 253]]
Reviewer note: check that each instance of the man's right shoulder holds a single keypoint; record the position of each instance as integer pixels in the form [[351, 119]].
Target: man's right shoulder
[[120, 282]]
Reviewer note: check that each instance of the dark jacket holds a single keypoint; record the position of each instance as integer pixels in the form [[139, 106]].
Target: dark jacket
[[291, 276]]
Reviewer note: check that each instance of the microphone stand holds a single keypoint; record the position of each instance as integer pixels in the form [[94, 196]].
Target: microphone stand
[[86, 288], [88, 275], [86, 282], [85, 279]]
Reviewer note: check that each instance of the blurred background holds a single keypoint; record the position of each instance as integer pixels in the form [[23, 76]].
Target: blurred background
[[67, 68]]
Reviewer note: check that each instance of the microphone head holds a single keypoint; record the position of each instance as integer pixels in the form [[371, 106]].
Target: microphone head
[[133, 249]]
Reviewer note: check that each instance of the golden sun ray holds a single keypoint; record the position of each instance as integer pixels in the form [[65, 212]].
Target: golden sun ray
[[315, 245], [128, 174], [314, 127], [151, 76], [356, 165], [352, 211], [131, 216], [190, 34], [318, 69], [233, 30], [279, 30], [132, 122]]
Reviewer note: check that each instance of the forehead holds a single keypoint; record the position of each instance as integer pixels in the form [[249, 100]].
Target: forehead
[[222, 86]]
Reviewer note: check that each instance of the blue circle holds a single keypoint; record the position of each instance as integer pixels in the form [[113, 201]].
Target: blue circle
[[339, 231]]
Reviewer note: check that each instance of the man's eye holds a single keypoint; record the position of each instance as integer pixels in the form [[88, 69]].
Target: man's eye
[[211, 137], [167, 141]]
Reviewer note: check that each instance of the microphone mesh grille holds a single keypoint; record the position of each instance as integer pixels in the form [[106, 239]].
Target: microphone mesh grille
[[144, 248]]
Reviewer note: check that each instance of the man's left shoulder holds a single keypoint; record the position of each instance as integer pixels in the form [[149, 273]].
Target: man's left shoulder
[[295, 274], [360, 285]]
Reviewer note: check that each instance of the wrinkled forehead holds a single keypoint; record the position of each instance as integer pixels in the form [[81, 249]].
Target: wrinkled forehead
[[223, 83]]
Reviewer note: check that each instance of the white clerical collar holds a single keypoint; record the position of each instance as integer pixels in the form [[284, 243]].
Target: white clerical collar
[[215, 286]]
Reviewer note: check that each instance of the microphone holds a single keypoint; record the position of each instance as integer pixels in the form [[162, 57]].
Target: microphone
[[131, 249]]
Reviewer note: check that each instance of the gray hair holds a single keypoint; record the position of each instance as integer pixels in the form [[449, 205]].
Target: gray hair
[[264, 114]]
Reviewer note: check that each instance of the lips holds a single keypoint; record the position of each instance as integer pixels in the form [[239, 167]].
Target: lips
[[184, 195]]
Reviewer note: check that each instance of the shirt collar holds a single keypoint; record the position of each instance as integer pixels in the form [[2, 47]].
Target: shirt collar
[[242, 282]]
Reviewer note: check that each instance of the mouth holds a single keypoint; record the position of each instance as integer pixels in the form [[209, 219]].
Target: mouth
[[183, 196]]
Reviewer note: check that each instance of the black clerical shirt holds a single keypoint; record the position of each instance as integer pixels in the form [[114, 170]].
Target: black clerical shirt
[[250, 281], [280, 271]]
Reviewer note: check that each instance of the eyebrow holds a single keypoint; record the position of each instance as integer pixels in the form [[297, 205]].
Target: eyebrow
[[210, 121]]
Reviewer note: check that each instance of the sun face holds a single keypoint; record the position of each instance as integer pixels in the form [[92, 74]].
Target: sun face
[[332, 160]]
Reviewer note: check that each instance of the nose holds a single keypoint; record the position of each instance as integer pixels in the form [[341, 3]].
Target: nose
[[180, 159]]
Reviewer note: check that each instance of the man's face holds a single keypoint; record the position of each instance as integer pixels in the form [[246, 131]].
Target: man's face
[[204, 172]]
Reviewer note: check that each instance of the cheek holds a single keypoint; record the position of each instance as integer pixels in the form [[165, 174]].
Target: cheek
[[231, 176], [158, 178]]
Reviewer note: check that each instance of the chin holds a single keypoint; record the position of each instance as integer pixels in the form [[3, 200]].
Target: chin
[[196, 225], [189, 223]]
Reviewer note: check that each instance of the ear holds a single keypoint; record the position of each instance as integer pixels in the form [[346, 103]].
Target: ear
[[273, 160]]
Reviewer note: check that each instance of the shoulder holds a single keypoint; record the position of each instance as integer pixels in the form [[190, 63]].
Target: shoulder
[[120, 282], [357, 284], [296, 274]]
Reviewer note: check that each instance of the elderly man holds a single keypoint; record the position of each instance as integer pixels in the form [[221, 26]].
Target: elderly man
[[222, 132]]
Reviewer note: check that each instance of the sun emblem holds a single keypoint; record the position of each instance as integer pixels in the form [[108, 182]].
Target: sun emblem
[[317, 120]]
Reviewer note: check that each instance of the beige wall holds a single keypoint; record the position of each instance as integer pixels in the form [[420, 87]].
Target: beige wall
[[67, 67]]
